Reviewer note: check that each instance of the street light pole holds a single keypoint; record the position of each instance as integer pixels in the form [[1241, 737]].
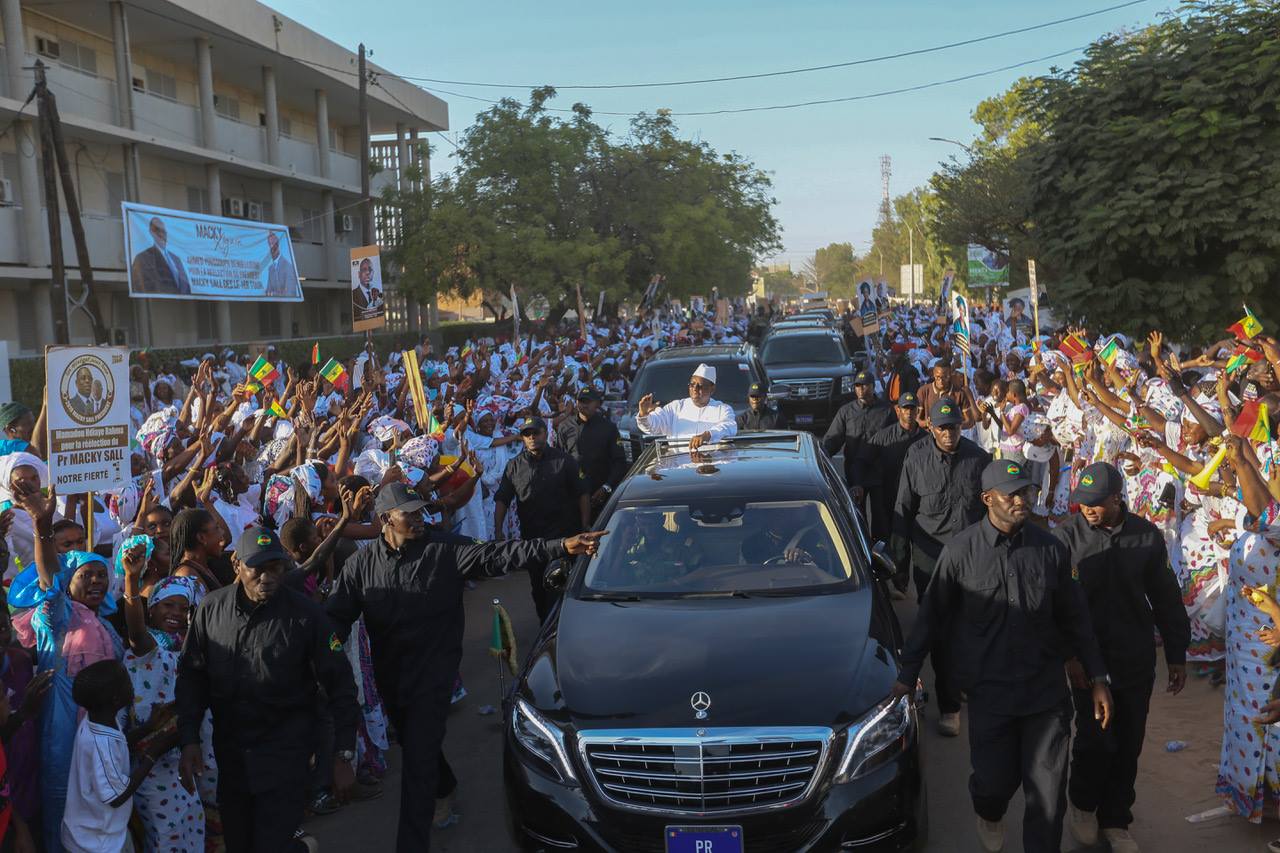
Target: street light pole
[[911, 264]]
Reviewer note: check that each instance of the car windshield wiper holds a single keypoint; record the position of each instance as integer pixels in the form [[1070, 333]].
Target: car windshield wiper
[[721, 593], [609, 596]]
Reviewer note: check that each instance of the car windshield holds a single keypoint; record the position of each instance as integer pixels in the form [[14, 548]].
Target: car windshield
[[806, 349], [727, 548], [667, 382]]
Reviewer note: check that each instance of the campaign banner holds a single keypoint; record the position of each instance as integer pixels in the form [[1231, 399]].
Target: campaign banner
[[368, 298], [987, 268], [174, 254], [89, 426]]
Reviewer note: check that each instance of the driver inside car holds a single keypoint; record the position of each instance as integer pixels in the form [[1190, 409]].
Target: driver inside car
[[786, 535]]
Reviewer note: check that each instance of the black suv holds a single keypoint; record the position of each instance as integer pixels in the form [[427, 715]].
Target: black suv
[[666, 377], [718, 677], [815, 368]]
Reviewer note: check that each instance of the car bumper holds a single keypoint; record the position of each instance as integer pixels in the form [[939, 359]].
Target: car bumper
[[881, 812]]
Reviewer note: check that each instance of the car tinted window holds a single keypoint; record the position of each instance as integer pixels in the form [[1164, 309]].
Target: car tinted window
[[678, 550], [667, 382], [807, 349]]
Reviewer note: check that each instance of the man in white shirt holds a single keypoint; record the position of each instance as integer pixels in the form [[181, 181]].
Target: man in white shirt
[[698, 418]]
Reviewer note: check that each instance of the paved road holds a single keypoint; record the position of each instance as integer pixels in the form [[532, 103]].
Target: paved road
[[1170, 786]]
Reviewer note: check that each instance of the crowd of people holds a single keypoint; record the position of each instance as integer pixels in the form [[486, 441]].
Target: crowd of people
[[235, 637]]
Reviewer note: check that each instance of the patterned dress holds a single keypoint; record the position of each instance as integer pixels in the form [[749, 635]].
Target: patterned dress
[[1249, 767], [172, 819]]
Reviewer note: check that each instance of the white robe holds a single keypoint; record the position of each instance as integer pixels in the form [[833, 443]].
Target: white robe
[[683, 419]]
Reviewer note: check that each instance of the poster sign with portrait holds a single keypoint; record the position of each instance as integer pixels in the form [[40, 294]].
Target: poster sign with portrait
[[368, 298], [174, 254], [89, 426]]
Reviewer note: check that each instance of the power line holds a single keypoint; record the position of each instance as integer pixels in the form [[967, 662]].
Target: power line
[[806, 70], [798, 104]]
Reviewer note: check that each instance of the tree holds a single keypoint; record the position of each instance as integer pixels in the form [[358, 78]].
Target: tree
[[549, 203], [1155, 186], [833, 269]]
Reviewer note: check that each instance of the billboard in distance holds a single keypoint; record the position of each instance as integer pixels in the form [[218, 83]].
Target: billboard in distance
[[174, 254]]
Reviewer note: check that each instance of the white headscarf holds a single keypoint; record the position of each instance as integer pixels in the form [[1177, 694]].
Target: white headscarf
[[22, 534]]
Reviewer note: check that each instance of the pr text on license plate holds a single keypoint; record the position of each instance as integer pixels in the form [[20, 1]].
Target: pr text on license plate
[[704, 839], [804, 419]]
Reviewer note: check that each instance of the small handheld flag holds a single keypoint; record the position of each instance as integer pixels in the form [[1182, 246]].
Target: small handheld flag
[[1109, 352], [1253, 422], [264, 371], [1247, 327], [335, 373], [315, 353], [502, 639], [1242, 357], [277, 410], [1075, 349]]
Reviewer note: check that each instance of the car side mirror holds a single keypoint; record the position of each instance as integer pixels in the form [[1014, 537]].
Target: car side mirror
[[778, 392], [557, 577], [882, 567]]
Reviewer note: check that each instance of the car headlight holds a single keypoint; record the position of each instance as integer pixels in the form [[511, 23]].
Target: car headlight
[[846, 384], [542, 739], [877, 737]]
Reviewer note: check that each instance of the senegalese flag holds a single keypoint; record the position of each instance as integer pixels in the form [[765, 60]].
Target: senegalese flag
[[264, 371], [277, 410], [315, 353], [466, 349], [335, 373], [1075, 349], [502, 639], [1247, 327], [1243, 357], [1109, 352], [252, 387], [434, 427], [1253, 422]]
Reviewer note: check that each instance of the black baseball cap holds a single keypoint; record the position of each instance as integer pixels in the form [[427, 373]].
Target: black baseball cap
[[258, 545], [907, 400], [589, 394], [758, 390], [1098, 482], [863, 378], [945, 412], [531, 424], [1005, 476], [397, 496]]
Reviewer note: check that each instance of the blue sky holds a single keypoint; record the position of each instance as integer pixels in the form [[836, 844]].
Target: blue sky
[[824, 159]]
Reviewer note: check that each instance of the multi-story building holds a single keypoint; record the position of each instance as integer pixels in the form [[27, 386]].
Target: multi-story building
[[222, 107]]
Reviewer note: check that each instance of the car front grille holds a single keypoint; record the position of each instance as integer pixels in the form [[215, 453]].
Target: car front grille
[[807, 389], [705, 771]]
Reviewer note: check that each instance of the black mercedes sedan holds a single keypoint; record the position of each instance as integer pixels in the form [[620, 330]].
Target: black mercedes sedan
[[717, 678]]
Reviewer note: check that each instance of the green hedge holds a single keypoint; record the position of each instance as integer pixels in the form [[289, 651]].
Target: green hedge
[[458, 332], [27, 374]]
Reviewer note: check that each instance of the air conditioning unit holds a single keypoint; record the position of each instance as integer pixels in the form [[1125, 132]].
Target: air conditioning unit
[[345, 224], [6, 192], [253, 210], [47, 47], [233, 207]]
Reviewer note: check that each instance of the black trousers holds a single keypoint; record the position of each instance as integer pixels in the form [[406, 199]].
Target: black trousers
[[421, 725], [945, 691], [262, 822], [1104, 764], [880, 503], [1029, 750]]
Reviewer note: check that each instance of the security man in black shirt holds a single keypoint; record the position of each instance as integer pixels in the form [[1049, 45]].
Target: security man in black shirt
[[1122, 563], [889, 448], [854, 423], [759, 414], [1003, 604], [550, 493], [592, 439], [408, 587], [939, 495], [257, 654]]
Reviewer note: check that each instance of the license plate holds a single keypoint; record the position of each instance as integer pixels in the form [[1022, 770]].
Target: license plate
[[804, 419], [704, 839]]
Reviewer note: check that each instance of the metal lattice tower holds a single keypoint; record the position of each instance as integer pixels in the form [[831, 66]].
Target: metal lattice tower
[[886, 170]]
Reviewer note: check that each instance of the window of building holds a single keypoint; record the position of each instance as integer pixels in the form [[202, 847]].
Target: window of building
[[162, 85], [139, 85], [318, 308], [311, 225], [335, 139], [269, 320], [80, 57], [226, 107], [26, 324], [197, 200], [9, 169], [122, 327], [286, 126], [115, 192], [206, 320]]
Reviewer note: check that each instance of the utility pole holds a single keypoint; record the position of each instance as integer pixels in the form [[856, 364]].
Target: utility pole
[[53, 146], [911, 264], [58, 283], [366, 203]]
